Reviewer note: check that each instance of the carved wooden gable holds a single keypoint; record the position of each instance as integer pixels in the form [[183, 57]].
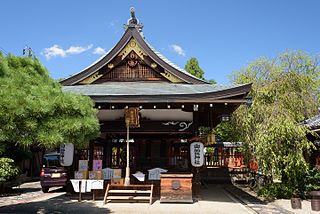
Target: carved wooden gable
[[131, 68], [131, 64]]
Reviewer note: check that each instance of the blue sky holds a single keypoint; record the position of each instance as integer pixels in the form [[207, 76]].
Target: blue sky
[[224, 35]]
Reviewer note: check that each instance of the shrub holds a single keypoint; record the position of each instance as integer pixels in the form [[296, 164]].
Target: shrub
[[7, 169], [313, 180], [276, 191]]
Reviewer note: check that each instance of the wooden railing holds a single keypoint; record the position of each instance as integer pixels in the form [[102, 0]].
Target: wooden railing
[[224, 157]]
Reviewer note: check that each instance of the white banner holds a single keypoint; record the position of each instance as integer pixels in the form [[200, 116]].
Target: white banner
[[66, 154]]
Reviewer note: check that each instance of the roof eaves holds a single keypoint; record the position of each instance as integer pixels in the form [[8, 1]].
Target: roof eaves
[[313, 122], [69, 80]]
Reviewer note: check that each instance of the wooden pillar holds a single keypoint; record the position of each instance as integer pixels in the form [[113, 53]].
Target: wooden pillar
[[196, 175], [107, 152], [91, 147], [196, 123]]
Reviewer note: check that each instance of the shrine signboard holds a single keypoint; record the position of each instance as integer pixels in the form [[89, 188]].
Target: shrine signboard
[[132, 117]]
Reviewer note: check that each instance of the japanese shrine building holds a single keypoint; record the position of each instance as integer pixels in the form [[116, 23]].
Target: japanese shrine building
[[172, 104]]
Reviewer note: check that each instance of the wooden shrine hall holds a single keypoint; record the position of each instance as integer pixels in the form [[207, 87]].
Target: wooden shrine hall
[[171, 104]]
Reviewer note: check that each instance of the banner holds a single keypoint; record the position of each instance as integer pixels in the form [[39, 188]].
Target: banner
[[97, 165], [66, 154], [83, 165]]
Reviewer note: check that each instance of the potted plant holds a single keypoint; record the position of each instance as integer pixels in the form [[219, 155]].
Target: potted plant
[[295, 200], [313, 187]]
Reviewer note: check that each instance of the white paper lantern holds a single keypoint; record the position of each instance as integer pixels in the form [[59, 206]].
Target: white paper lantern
[[196, 154], [66, 154]]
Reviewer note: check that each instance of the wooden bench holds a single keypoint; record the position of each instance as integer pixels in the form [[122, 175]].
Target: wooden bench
[[130, 193]]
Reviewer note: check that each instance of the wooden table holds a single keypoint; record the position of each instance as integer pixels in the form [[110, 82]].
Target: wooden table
[[176, 187]]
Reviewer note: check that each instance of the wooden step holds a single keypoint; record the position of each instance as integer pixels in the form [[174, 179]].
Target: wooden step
[[128, 198], [129, 191]]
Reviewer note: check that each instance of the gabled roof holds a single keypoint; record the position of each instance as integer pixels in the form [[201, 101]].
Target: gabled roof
[[313, 122], [133, 32], [169, 83]]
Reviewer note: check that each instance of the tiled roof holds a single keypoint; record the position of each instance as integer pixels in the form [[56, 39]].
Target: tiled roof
[[313, 122], [144, 88]]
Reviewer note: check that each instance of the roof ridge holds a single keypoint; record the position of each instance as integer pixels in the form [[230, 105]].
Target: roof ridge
[[165, 59]]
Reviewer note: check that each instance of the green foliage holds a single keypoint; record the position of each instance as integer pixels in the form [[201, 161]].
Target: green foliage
[[276, 191], [225, 131], [310, 182], [7, 169], [313, 180], [209, 150], [35, 110], [285, 92], [213, 82], [193, 68]]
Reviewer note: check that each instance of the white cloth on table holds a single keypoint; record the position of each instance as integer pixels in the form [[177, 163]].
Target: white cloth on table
[[139, 175], [94, 184], [75, 185], [154, 174]]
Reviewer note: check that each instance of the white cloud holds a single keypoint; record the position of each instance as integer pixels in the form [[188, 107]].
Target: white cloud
[[53, 51], [99, 51], [56, 51], [78, 49], [178, 49]]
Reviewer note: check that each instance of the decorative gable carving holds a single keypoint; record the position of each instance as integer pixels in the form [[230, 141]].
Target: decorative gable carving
[[91, 79], [131, 68], [170, 77], [132, 46]]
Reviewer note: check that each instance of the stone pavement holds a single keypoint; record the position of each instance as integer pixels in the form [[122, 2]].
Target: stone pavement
[[277, 206], [305, 205], [31, 200], [214, 200], [217, 199], [26, 192], [254, 203]]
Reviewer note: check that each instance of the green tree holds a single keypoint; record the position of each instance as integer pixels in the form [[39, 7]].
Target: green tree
[[225, 131], [285, 92], [35, 111], [212, 81], [193, 68]]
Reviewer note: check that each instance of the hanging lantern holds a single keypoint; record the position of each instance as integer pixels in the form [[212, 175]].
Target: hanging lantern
[[197, 154], [211, 138], [225, 118], [132, 117]]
